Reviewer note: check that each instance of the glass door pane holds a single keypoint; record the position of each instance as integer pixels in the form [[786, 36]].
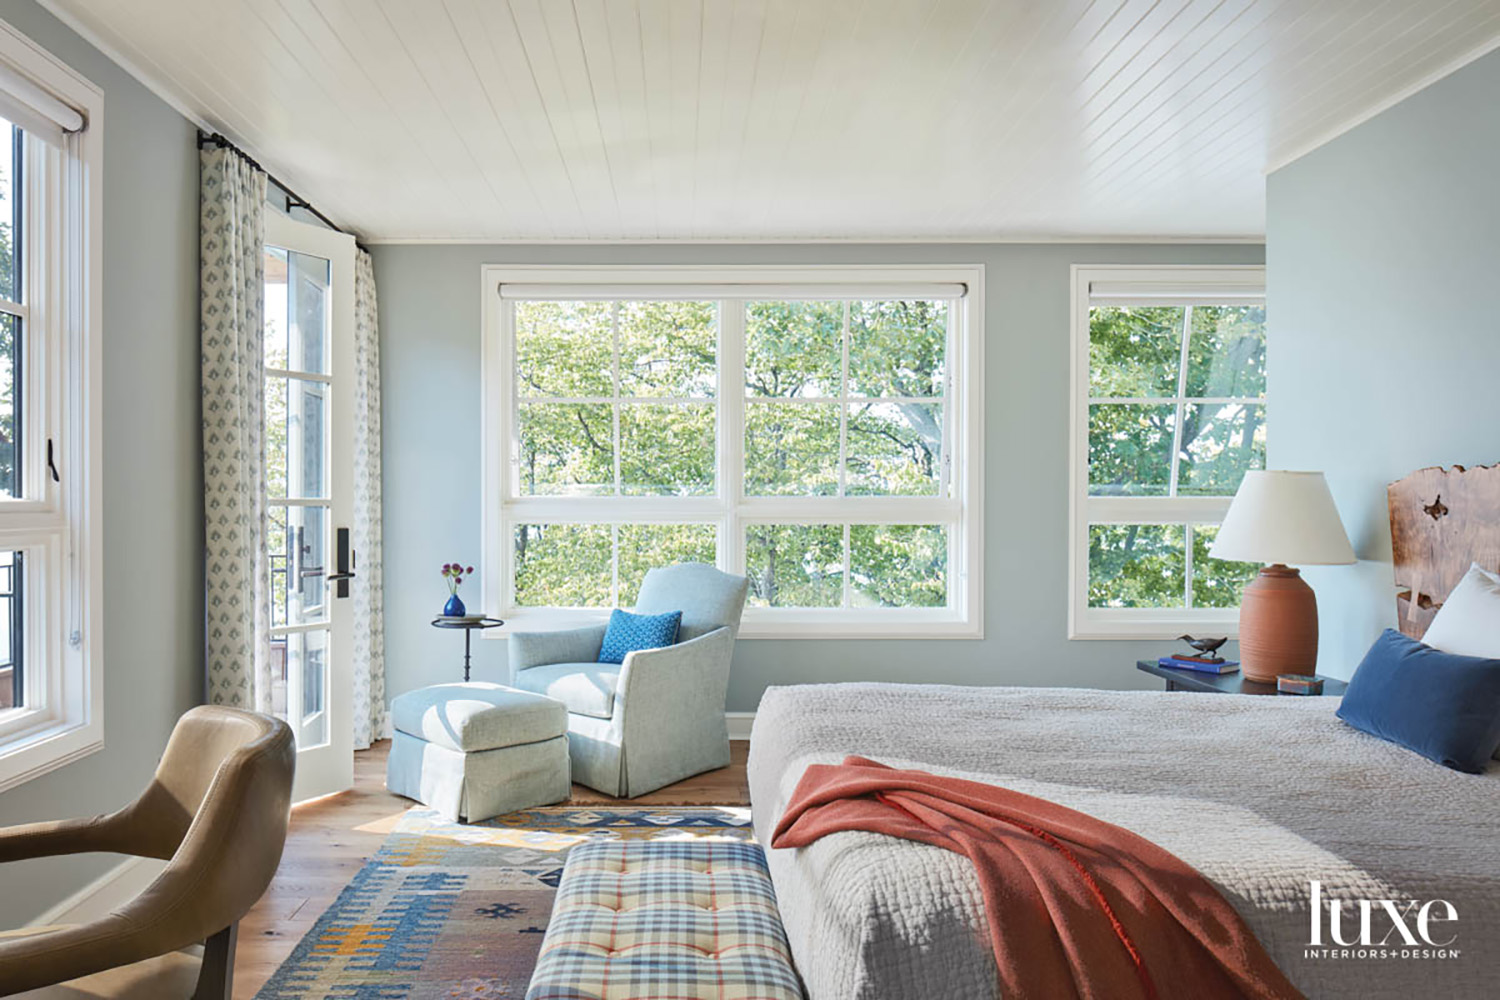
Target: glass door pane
[[12, 678], [12, 290], [309, 354], [296, 433], [298, 548], [297, 305], [10, 405], [307, 664], [298, 391]]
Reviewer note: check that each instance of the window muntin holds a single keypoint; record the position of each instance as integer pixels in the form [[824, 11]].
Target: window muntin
[[730, 425], [17, 693], [615, 397], [795, 565], [845, 398], [50, 553], [1169, 415], [298, 381], [297, 369], [601, 565], [856, 409], [1135, 565], [849, 566], [1177, 398]]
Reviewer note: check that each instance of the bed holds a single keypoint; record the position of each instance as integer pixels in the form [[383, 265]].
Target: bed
[[1261, 794]]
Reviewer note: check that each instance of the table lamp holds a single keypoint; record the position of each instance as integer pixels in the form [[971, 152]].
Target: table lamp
[[1281, 518]]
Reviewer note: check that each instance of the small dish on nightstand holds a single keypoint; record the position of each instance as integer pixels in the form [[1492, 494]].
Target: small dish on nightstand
[[1298, 684]]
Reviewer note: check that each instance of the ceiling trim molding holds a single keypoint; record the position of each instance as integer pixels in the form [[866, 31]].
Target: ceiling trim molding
[[146, 79], [173, 99], [1447, 70], [1115, 240]]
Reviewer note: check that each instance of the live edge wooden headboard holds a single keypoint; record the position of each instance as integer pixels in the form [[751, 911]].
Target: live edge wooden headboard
[[1442, 521]]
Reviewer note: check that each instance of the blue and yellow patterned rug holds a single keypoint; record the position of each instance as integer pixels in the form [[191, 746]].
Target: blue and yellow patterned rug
[[445, 910]]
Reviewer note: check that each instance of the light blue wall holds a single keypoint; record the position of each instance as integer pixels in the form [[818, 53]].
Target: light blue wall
[[430, 367], [153, 606], [1383, 255]]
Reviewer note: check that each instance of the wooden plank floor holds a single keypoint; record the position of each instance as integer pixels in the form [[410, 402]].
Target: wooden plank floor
[[331, 838]]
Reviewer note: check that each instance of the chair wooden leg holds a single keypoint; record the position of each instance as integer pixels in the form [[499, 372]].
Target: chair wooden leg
[[216, 979]]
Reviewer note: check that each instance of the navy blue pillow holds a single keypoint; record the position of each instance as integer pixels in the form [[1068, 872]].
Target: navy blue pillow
[[628, 632], [1444, 706]]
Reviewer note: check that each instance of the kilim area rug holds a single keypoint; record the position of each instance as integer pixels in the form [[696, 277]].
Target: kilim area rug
[[445, 910]]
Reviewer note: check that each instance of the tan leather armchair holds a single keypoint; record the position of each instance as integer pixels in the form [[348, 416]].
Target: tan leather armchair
[[217, 811]]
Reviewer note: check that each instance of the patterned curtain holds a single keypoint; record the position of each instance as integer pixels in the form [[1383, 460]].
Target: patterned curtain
[[231, 231], [369, 595]]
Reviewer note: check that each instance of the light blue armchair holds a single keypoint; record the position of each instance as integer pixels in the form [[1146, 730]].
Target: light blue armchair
[[659, 716]]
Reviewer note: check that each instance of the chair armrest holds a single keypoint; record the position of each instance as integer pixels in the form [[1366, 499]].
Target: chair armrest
[[150, 925], [669, 711], [144, 927], [682, 678], [99, 834], [212, 877], [150, 827], [571, 645]]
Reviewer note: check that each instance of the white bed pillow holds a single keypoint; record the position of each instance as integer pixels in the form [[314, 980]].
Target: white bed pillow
[[1468, 623]]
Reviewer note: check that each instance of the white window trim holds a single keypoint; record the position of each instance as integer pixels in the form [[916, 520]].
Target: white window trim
[[1149, 283], [64, 615], [962, 619]]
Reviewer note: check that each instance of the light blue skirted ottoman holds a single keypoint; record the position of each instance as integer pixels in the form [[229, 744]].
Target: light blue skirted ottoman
[[475, 750], [690, 920]]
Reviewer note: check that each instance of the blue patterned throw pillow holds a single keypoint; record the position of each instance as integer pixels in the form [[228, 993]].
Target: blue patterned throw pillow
[[628, 632]]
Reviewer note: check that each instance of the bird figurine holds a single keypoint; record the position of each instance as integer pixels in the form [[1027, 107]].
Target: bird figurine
[[1208, 649]]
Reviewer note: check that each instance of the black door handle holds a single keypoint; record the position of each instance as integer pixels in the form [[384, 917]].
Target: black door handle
[[346, 572]]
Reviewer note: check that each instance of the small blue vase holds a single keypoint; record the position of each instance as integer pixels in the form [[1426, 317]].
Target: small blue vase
[[454, 608]]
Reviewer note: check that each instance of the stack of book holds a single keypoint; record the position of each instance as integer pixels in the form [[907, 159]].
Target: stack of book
[[1200, 663]]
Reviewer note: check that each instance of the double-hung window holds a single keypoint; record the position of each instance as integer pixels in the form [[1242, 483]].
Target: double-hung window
[[814, 429], [1169, 379], [50, 547]]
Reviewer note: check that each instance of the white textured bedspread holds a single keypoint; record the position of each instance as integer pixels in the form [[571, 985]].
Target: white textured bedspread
[[1260, 794]]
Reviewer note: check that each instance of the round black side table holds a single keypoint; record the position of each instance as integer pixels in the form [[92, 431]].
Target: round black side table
[[469, 625]]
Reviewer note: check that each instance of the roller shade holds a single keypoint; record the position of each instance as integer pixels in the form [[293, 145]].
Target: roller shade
[[746, 290], [1176, 293], [36, 110]]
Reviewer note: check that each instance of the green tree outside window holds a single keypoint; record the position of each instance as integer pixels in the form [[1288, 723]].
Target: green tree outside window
[[1176, 409]]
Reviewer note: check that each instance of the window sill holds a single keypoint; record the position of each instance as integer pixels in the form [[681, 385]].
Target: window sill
[[942, 629], [34, 752], [938, 625], [1125, 627]]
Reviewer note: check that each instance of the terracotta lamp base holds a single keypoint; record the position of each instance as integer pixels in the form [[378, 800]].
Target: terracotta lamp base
[[1278, 626]]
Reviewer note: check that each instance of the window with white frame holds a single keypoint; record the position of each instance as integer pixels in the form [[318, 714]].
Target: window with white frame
[[813, 429], [1169, 412], [50, 553]]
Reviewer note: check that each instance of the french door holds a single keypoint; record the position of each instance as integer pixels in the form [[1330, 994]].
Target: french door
[[309, 407]]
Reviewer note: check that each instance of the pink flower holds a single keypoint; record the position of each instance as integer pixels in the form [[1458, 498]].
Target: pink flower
[[455, 573]]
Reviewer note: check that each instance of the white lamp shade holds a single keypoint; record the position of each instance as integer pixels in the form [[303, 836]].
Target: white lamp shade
[[1283, 517]]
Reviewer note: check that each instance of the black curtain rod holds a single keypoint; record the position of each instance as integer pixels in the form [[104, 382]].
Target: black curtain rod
[[293, 199]]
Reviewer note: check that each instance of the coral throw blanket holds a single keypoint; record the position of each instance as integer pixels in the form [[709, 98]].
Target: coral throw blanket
[[1077, 907]]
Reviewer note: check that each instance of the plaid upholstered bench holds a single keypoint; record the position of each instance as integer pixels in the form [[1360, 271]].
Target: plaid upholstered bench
[[650, 919]]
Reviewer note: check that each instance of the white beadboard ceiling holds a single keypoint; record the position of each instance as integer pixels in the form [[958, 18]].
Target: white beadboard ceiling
[[784, 119]]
